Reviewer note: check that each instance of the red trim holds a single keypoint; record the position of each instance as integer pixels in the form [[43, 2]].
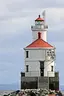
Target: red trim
[[39, 35]]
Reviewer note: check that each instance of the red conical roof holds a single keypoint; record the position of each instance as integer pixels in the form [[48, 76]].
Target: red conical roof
[[39, 19], [39, 43]]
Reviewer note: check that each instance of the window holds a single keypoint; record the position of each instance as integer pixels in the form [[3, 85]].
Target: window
[[27, 68], [26, 54], [51, 68]]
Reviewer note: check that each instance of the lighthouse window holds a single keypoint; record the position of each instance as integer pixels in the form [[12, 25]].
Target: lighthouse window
[[26, 54], [27, 69], [52, 51], [48, 52], [51, 68]]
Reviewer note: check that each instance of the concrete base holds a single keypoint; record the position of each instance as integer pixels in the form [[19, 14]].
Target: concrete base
[[40, 82]]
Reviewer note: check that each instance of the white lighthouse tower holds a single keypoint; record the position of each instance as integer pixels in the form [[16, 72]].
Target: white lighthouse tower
[[39, 58], [39, 27]]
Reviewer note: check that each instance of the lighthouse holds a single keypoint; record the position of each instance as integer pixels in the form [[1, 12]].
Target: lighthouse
[[39, 60]]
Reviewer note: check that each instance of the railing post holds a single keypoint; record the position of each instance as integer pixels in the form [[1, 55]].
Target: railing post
[[38, 79], [48, 79]]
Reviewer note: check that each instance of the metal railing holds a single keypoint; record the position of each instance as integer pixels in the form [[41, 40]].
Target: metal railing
[[35, 28]]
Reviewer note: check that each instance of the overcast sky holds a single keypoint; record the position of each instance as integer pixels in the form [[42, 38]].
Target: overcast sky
[[16, 18]]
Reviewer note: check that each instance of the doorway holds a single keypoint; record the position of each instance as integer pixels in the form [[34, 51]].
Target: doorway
[[41, 68]]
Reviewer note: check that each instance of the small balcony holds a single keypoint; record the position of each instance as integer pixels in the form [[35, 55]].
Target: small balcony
[[37, 28]]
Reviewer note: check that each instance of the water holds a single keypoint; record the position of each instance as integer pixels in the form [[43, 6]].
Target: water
[[2, 92], [8, 88]]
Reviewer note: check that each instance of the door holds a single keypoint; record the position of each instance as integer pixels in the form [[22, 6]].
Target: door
[[41, 68]]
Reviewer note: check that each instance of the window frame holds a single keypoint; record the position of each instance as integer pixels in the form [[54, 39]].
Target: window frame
[[27, 68], [52, 68], [27, 54]]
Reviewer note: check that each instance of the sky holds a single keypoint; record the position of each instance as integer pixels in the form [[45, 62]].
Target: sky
[[16, 18]]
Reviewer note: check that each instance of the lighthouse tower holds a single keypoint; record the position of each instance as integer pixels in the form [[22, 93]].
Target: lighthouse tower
[[39, 27], [39, 60]]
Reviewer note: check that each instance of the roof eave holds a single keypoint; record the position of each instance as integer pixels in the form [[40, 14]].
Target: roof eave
[[39, 20], [33, 48]]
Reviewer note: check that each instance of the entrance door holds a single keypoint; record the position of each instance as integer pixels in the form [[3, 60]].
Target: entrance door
[[41, 68]]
